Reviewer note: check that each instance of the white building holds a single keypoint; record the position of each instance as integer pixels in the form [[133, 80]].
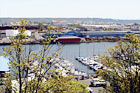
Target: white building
[[28, 33], [11, 33]]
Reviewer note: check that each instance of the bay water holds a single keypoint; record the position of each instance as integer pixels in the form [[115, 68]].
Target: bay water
[[71, 51]]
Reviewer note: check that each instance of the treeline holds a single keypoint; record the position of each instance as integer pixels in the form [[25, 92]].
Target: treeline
[[27, 27]]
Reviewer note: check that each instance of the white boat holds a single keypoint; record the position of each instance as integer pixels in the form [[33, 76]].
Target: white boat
[[92, 64], [72, 70], [81, 59], [84, 62], [95, 58], [77, 58], [98, 66], [76, 73]]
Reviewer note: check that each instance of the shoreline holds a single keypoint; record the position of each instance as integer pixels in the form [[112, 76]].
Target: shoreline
[[87, 41], [83, 40], [1, 44]]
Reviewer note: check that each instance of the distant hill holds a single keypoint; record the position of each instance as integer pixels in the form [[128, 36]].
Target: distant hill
[[44, 20]]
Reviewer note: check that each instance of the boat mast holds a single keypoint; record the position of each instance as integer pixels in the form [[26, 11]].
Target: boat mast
[[93, 51], [87, 50], [79, 50]]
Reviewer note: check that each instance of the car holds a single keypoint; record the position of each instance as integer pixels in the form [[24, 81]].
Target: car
[[98, 82]]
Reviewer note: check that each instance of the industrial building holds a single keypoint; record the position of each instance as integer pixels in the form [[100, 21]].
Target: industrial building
[[94, 33]]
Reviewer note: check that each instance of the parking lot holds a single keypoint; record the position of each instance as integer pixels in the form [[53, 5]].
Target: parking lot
[[95, 89]]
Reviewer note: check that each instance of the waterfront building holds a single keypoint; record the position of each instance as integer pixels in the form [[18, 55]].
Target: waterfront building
[[11, 33], [68, 39]]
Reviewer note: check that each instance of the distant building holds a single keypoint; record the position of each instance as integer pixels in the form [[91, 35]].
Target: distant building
[[53, 34], [73, 33], [28, 33], [107, 33], [11, 33], [2, 34], [68, 39]]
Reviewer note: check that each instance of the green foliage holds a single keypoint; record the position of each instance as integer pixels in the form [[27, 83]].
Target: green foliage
[[73, 26], [41, 26], [123, 62], [23, 60], [110, 29], [59, 84]]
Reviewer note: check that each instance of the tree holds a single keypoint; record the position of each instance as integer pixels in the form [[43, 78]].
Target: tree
[[24, 60], [123, 64], [60, 84], [41, 26]]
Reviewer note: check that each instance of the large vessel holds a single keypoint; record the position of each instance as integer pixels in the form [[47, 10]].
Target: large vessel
[[68, 39]]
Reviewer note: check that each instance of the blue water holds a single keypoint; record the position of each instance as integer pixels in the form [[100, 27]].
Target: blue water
[[85, 49], [70, 51]]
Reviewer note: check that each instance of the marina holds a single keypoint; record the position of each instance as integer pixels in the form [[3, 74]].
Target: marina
[[73, 46], [71, 51], [91, 62]]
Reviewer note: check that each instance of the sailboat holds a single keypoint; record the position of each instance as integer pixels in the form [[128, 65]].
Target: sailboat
[[79, 58]]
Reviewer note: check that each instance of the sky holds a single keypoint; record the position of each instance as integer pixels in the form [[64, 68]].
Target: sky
[[115, 9]]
